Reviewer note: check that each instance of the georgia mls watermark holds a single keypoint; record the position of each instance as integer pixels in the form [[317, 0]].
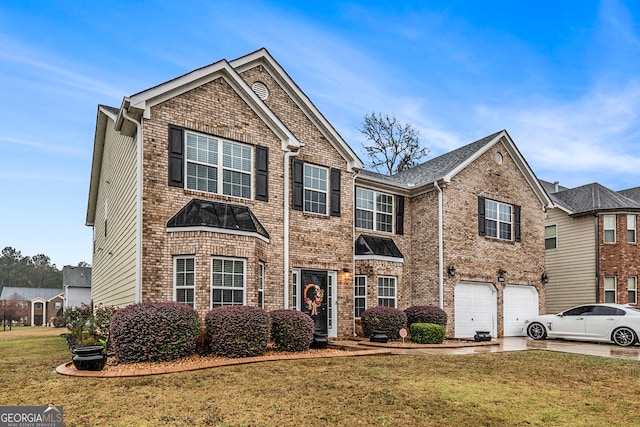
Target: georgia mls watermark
[[31, 416]]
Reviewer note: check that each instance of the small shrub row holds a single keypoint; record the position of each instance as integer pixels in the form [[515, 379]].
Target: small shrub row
[[387, 319], [426, 314], [427, 333], [238, 331], [154, 331]]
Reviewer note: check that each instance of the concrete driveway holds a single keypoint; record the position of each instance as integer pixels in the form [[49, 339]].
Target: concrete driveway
[[522, 343]]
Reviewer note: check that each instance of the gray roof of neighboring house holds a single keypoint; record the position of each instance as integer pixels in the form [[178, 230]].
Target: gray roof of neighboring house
[[593, 198], [29, 294], [434, 169], [632, 193], [76, 277], [550, 187]]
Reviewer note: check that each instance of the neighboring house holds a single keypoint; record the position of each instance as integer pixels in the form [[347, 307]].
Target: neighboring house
[[227, 186], [76, 282], [42, 303], [591, 241]]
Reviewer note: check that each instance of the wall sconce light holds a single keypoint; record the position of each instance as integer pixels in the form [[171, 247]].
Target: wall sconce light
[[346, 270], [501, 274], [544, 278], [451, 270]]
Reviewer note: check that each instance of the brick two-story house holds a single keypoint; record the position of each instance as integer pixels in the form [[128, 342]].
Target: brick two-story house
[[591, 245], [227, 186]]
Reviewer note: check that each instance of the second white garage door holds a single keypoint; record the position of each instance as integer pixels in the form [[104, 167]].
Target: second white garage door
[[476, 308], [520, 303]]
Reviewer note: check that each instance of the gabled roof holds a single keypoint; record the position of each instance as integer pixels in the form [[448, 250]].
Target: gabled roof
[[592, 198], [76, 277], [29, 294], [367, 247], [632, 193], [216, 216], [262, 57], [443, 168]]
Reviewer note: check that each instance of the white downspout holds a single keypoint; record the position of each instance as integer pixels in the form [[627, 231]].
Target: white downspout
[[287, 157], [440, 247], [138, 280]]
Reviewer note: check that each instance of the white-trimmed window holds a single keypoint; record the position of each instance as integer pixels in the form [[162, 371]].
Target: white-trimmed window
[[261, 284], [632, 289], [550, 237], [610, 289], [184, 280], [387, 291], [295, 304], [631, 229], [206, 168], [609, 228], [498, 219], [359, 295], [374, 210], [227, 282], [315, 189]]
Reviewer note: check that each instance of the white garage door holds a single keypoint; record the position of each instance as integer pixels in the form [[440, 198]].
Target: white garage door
[[520, 303], [476, 309]]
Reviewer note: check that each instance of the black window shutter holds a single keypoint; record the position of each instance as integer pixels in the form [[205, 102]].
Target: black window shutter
[[481, 223], [297, 184], [335, 192], [400, 215], [262, 173], [516, 223], [176, 156]]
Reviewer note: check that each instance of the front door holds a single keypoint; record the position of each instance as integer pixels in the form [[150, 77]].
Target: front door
[[314, 298]]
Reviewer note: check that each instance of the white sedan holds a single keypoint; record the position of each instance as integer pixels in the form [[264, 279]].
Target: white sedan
[[590, 322]]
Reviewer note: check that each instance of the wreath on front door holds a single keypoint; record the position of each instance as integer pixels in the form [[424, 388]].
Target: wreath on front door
[[313, 299]]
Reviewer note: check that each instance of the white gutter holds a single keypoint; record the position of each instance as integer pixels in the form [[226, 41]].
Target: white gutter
[[440, 247], [138, 283], [287, 167]]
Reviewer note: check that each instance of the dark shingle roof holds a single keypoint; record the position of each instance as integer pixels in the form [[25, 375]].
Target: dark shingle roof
[[77, 277], [113, 110], [436, 168], [28, 294], [380, 246], [205, 213], [632, 193], [592, 198], [550, 187]]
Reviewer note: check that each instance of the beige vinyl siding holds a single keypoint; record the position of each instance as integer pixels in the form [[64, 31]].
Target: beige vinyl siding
[[572, 265], [114, 258]]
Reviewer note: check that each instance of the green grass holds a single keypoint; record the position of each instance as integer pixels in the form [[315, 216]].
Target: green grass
[[536, 388]]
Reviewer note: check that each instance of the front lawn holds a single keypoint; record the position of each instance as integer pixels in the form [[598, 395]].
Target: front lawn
[[500, 389]]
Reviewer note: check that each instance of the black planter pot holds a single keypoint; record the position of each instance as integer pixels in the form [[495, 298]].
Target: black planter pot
[[379, 336], [90, 358], [319, 340]]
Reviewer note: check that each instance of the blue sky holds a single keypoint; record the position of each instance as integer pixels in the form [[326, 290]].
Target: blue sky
[[562, 77]]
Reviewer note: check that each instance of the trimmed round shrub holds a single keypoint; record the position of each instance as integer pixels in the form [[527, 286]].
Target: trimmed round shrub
[[387, 319], [426, 314], [427, 333], [238, 331], [154, 331], [291, 330]]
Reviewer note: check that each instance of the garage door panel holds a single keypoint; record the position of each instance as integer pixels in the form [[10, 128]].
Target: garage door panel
[[475, 309], [520, 303]]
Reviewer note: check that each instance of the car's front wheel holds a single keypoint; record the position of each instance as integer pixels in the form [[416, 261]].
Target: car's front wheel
[[624, 337], [536, 331]]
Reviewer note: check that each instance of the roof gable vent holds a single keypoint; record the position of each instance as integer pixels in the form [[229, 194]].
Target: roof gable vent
[[261, 90]]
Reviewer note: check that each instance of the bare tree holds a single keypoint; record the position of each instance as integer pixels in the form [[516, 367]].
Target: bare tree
[[12, 311], [395, 146]]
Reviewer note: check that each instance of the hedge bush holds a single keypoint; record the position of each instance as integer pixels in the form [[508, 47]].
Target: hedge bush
[[291, 330], [387, 319], [238, 331], [154, 331], [426, 314], [427, 333]]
